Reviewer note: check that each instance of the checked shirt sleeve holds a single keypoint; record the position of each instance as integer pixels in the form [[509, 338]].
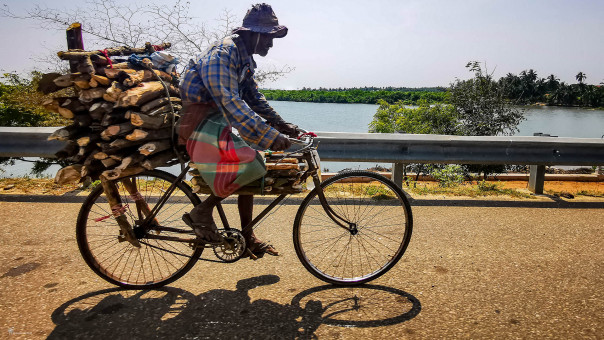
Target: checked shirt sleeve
[[219, 75], [258, 102]]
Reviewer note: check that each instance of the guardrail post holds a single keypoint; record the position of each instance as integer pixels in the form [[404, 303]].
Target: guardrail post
[[537, 178], [537, 173], [397, 173]]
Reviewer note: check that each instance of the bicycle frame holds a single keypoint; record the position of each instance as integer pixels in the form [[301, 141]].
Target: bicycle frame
[[146, 225]]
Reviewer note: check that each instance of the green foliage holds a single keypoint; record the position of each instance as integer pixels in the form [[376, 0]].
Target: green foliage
[[481, 106], [425, 119], [528, 88], [448, 176], [359, 95], [21, 104]]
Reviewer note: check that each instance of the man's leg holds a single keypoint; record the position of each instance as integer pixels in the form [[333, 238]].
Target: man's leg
[[202, 220], [245, 203]]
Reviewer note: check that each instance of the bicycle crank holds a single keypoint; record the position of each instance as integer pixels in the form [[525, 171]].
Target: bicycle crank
[[233, 246]]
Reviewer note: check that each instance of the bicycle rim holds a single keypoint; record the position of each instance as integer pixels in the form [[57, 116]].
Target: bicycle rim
[[156, 262], [383, 219]]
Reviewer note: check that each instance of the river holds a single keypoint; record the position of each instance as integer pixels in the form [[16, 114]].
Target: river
[[557, 121]]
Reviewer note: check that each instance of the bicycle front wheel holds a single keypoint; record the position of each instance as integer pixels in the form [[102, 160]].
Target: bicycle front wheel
[[381, 221], [157, 262]]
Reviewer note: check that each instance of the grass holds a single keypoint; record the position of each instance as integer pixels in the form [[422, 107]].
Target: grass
[[482, 189]]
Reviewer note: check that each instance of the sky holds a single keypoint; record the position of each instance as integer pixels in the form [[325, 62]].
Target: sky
[[402, 43]]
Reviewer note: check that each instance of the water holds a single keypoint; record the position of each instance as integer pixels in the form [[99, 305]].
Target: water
[[557, 121]]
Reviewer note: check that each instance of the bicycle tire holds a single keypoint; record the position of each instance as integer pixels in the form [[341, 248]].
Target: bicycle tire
[[336, 255], [157, 262]]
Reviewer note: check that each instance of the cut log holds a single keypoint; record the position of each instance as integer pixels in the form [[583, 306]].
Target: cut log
[[82, 81], [155, 147], [109, 162], [99, 109], [114, 73], [148, 122], [138, 77], [51, 105], [92, 138], [83, 120], [65, 113], [69, 174], [115, 130], [159, 160], [118, 145], [63, 81], [67, 133], [137, 134], [115, 117], [114, 92], [127, 162], [70, 149], [158, 103], [101, 80], [101, 155], [281, 166], [92, 94], [74, 105], [143, 93], [142, 135], [109, 174]]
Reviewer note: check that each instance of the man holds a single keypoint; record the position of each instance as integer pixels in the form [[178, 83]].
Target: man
[[219, 92]]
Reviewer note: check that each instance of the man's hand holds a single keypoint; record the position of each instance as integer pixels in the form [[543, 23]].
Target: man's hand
[[287, 129], [281, 143]]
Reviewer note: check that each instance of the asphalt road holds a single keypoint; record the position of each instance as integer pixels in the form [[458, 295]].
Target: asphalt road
[[474, 269]]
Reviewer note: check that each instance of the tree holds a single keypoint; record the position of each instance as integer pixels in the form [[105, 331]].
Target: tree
[[581, 77], [481, 106], [110, 23], [482, 109], [425, 119]]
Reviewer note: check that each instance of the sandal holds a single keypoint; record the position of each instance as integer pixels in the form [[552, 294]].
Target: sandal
[[257, 250], [208, 233]]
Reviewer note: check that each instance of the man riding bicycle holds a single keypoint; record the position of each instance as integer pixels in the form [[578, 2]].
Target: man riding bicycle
[[219, 93]]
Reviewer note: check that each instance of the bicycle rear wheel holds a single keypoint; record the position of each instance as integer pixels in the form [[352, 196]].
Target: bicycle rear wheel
[[156, 262], [382, 218]]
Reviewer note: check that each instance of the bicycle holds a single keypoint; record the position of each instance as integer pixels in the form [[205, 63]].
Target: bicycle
[[349, 229]]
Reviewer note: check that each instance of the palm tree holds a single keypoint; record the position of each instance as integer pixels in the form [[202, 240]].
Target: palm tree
[[580, 77]]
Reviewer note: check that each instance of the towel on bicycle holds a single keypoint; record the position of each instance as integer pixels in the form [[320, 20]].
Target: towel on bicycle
[[224, 160]]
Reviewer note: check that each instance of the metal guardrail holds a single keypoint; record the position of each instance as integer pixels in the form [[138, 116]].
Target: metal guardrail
[[391, 148]]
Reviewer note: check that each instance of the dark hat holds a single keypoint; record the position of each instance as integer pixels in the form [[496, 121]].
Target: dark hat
[[261, 19]]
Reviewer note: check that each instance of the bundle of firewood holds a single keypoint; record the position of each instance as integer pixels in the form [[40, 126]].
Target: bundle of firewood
[[122, 113], [283, 177]]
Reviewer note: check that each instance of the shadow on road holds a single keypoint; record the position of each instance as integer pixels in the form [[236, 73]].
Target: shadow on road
[[220, 314]]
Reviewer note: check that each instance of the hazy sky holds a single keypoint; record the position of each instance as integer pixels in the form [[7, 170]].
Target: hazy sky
[[389, 43]]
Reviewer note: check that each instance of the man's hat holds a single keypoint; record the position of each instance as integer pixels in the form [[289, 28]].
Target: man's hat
[[261, 19]]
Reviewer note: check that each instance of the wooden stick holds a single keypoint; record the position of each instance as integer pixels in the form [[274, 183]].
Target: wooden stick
[[70, 149], [139, 200], [114, 92], [115, 204], [123, 51]]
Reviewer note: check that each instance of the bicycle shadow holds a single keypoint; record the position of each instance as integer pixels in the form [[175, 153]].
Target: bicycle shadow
[[220, 314]]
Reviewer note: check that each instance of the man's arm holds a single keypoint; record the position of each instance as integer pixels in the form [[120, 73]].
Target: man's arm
[[258, 102], [219, 75]]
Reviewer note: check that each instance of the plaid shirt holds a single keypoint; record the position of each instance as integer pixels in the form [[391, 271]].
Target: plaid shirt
[[224, 74]]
